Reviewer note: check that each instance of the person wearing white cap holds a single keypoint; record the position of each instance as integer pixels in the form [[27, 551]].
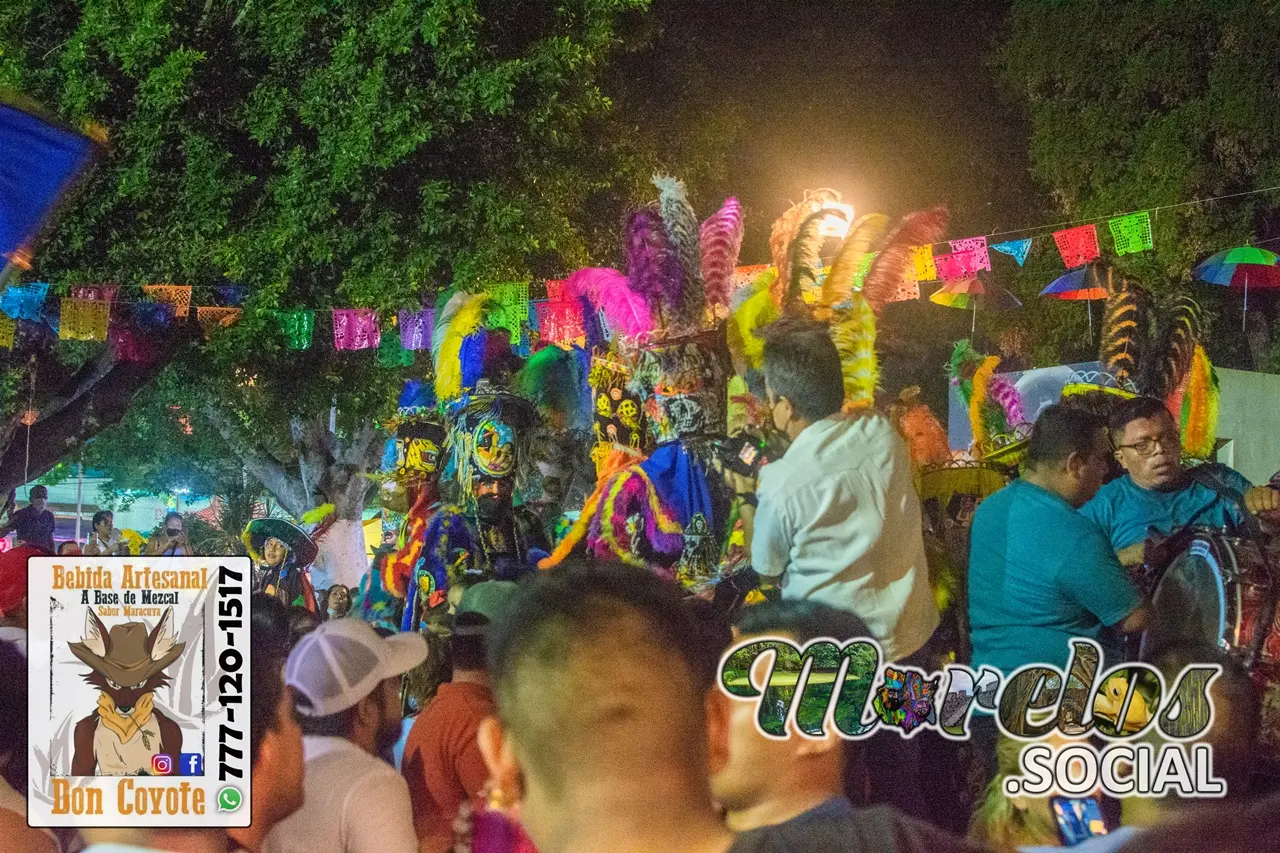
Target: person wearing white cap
[[347, 682]]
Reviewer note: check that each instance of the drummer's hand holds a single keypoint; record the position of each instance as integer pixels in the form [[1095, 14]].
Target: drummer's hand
[[1262, 500], [1134, 555]]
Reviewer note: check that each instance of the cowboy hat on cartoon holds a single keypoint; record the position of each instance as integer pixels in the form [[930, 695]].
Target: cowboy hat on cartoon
[[126, 730]]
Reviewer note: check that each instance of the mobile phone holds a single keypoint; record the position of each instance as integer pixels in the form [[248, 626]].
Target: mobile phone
[[742, 454], [1078, 819]]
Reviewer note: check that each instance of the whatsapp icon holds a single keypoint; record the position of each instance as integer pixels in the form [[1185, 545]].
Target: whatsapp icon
[[229, 799]]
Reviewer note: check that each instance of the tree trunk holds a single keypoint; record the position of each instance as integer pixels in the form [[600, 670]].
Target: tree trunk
[[330, 470], [336, 472]]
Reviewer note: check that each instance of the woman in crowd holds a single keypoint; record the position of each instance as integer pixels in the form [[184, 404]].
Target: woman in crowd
[[170, 540], [284, 554], [337, 601]]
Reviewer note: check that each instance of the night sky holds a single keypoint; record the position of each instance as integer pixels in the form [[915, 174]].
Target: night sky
[[892, 104]]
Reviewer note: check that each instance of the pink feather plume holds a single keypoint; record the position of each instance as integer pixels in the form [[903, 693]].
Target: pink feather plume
[[721, 239], [1002, 391], [609, 291]]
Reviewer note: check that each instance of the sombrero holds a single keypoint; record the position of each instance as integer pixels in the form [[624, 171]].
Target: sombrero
[[127, 653], [255, 538]]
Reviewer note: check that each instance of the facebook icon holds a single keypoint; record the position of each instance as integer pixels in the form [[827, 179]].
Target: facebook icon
[[191, 764]]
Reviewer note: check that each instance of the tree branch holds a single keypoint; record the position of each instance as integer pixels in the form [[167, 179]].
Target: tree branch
[[82, 412], [289, 490], [89, 374]]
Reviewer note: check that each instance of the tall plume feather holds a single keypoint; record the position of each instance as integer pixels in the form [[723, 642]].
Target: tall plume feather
[[1177, 336], [838, 284], [855, 339], [720, 240], [805, 256], [1126, 329], [682, 228], [893, 264], [653, 270], [609, 291], [751, 308], [462, 317], [784, 232]]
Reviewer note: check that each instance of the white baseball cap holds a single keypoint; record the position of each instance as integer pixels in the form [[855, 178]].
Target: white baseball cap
[[343, 660]]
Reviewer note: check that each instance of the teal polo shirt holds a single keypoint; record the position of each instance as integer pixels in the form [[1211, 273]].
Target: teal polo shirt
[[1040, 573], [1124, 510]]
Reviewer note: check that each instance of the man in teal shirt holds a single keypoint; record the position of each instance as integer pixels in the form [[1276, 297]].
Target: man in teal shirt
[[1040, 573], [1158, 493]]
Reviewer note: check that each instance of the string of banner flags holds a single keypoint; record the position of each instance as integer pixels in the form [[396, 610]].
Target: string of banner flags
[[95, 312]]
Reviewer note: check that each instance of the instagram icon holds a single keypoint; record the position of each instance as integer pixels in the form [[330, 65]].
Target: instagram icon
[[162, 765]]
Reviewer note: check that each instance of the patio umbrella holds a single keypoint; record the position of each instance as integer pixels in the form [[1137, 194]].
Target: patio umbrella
[[965, 292], [1242, 267], [1085, 284]]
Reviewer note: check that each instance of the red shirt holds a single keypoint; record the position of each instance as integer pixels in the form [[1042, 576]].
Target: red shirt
[[442, 762]]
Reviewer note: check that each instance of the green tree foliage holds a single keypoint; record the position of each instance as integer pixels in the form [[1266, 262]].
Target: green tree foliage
[[1134, 105], [367, 154]]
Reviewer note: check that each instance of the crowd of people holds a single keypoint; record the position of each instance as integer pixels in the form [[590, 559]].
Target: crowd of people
[[531, 664], [33, 529]]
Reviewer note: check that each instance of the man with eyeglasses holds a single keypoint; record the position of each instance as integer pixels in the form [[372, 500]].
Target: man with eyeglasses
[[1158, 493]]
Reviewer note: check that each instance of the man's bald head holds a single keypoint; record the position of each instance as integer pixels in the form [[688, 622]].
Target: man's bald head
[[599, 671]]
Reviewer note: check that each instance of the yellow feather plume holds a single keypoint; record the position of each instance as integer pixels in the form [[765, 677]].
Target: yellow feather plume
[[465, 322], [855, 340], [980, 380], [838, 284], [1200, 408], [753, 309]]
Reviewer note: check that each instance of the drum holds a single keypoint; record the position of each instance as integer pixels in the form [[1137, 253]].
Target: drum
[[1216, 592]]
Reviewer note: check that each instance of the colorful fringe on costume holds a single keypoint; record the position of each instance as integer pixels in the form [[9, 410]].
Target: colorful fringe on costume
[[398, 568]]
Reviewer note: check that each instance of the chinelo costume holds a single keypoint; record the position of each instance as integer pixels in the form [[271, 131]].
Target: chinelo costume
[[289, 580], [477, 533], [660, 394], [412, 461]]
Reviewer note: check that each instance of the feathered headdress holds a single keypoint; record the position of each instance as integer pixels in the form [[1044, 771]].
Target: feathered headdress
[[458, 345], [838, 285], [916, 422], [682, 229], [555, 380], [720, 238], [892, 268], [1145, 345], [1154, 350], [784, 231], [676, 267]]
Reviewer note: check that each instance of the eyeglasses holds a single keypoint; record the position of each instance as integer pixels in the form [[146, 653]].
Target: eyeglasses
[[1151, 446]]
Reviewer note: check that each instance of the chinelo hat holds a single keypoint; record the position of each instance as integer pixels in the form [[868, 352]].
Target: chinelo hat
[[130, 653], [294, 537]]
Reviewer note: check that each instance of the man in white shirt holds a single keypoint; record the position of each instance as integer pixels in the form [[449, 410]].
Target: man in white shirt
[[347, 680], [838, 520]]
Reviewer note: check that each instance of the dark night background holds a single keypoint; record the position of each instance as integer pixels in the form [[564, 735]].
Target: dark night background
[[894, 105]]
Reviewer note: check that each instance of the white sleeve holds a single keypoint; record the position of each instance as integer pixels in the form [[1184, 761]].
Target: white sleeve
[[378, 817], [770, 536]]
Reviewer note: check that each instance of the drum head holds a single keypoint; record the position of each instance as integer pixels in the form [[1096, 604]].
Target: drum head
[[1189, 604]]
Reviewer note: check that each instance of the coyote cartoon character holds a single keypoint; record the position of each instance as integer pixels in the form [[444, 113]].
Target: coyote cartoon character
[[126, 730]]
